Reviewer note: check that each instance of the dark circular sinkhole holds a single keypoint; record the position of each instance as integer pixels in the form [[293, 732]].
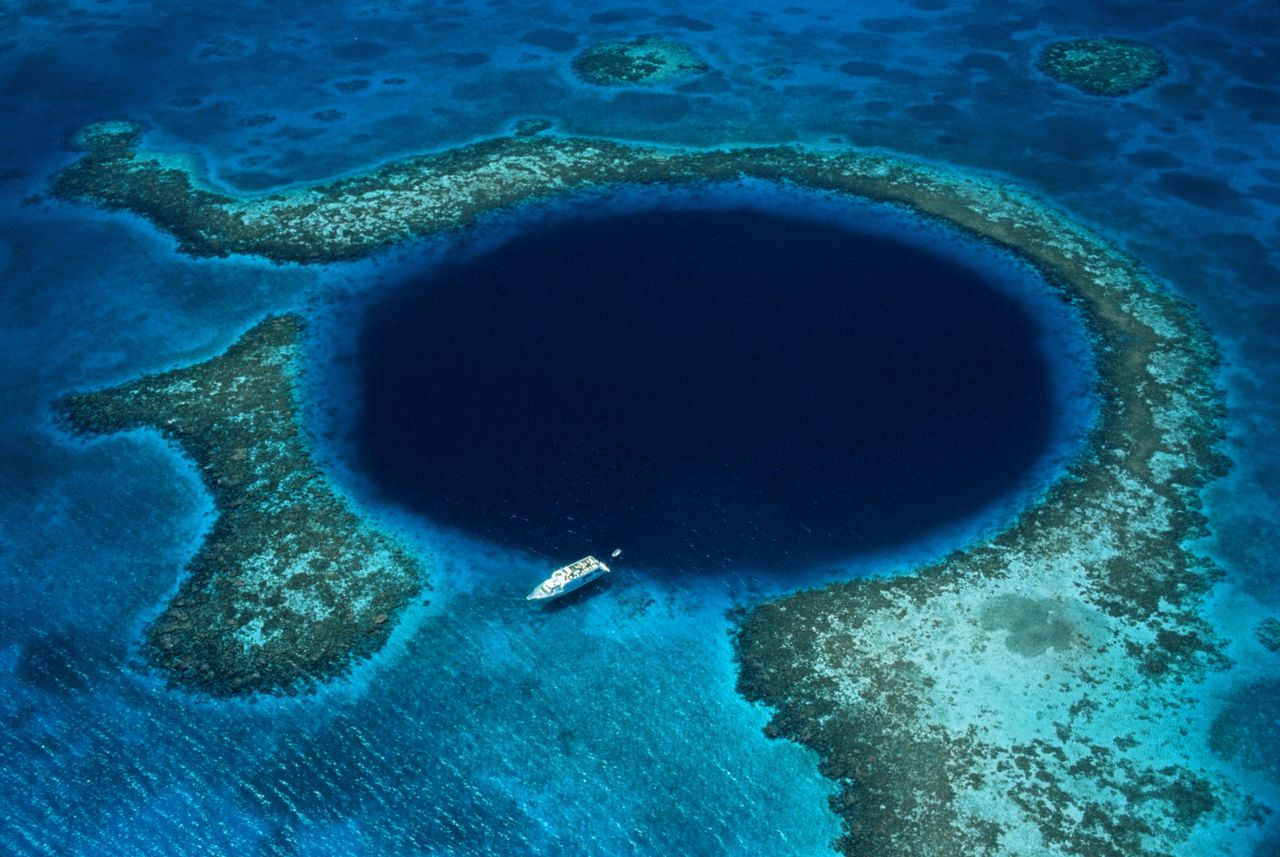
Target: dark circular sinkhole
[[704, 388]]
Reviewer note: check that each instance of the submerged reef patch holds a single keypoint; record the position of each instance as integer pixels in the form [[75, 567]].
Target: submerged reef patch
[[1268, 633], [531, 127], [290, 586], [1107, 66], [645, 61], [1247, 730], [1039, 692]]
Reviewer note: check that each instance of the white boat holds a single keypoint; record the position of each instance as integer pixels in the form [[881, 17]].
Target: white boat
[[569, 577]]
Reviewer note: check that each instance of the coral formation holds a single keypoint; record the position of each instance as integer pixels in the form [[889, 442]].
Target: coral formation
[[1031, 693], [1106, 66], [1268, 633], [531, 127], [289, 586], [644, 61], [1247, 729], [1037, 692]]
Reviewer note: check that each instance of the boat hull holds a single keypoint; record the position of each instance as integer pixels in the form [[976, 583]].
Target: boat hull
[[556, 585], [539, 595]]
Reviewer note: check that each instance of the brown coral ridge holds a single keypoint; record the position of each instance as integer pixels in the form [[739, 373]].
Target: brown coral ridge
[[1032, 694], [290, 586]]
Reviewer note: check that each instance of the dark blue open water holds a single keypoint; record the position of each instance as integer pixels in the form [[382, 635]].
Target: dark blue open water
[[708, 389], [457, 740]]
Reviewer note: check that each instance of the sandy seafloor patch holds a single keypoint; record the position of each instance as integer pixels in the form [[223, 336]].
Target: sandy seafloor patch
[[646, 748]]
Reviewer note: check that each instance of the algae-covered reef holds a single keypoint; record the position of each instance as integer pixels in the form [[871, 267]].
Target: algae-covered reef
[[1041, 692], [289, 586], [1107, 66]]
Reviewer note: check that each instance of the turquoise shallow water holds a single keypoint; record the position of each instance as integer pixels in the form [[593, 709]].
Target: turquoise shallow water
[[457, 739]]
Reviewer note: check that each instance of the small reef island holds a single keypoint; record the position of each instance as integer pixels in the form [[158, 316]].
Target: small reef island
[[1039, 692]]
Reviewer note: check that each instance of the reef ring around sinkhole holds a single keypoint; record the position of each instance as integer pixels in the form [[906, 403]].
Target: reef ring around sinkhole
[[770, 382], [901, 685]]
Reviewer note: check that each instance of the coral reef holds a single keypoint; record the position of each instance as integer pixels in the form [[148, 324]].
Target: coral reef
[[1247, 729], [1032, 693], [531, 127], [289, 586], [645, 61], [1268, 633], [1107, 66], [1038, 692]]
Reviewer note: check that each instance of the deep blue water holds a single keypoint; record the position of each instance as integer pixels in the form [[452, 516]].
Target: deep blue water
[[452, 741], [708, 389]]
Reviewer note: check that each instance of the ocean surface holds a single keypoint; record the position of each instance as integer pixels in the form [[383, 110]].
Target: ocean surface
[[608, 724], [706, 388]]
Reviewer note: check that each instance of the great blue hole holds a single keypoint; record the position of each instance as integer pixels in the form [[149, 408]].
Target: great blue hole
[[704, 388]]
